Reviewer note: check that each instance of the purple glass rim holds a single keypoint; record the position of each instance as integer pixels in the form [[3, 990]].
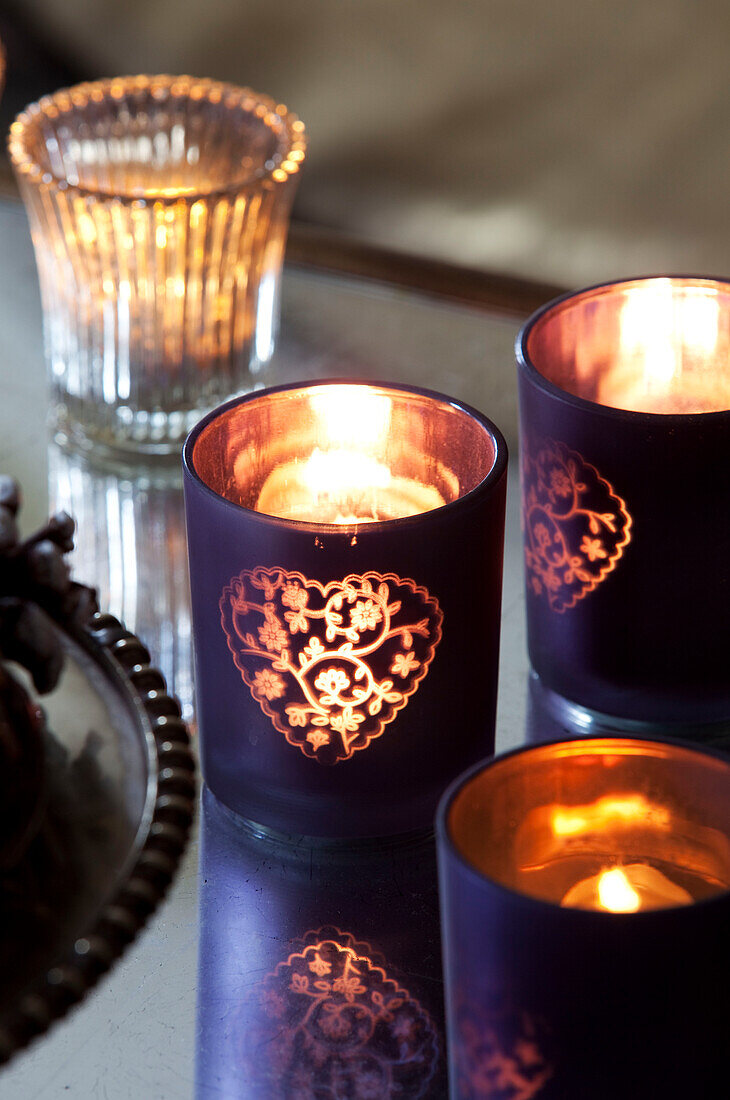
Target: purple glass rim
[[482, 489], [445, 840], [525, 364]]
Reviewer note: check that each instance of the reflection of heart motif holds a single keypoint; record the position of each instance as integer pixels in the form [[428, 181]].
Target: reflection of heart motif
[[330, 664], [332, 1022], [576, 527], [499, 1053]]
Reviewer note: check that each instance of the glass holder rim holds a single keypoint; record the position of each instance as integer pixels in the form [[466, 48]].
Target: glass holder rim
[[494, 475], [291, 136], [595, 408], [447, 844]]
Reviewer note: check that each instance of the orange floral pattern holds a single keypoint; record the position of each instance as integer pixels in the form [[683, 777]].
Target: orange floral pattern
[[576, 527], [268, 683], [332, 1020], [320, 659]]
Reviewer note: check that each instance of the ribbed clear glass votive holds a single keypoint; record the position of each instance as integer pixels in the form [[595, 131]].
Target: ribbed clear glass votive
[[159, 208]]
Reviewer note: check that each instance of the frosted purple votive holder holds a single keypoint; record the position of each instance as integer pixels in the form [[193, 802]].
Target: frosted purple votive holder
[[625, 459], [585, 906], [345, 546]]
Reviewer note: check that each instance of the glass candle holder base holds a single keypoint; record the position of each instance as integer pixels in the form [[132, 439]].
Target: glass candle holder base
[[552, 715], [123, 432], [392, 842]]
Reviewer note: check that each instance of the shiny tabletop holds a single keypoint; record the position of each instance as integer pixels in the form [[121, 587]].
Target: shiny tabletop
[[243, 913]]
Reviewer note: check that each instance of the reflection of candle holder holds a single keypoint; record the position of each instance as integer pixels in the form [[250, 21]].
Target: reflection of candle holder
[[584, 890], [130, 543], [625, 452], [159, 208], [321, 987], [345, 666], [331, 1019]]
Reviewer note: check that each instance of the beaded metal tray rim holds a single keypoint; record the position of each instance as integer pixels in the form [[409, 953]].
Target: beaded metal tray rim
[[153, 858]]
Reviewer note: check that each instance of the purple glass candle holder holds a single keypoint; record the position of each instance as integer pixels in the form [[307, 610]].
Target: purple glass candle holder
[[625, 459], [346, 658], [585, 906]]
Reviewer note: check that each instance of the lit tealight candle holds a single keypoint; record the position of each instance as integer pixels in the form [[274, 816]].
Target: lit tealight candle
[[626, 889], [343, 486], [347, 478]]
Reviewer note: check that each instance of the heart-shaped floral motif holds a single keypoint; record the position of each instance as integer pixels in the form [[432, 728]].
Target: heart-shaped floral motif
[[330, 665], [333, 1022], [576, 527]]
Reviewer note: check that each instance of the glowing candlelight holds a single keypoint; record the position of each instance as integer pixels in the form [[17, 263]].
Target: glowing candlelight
[[342, 486], [626, 889], [671, 352], [632, 842], [615, 892], [346, 479]]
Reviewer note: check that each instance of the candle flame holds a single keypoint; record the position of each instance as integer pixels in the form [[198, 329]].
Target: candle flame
[[627, 888], [668, 345], [656, 323], [353, 422], [347, 475], [647, 330], [616, 894], [354, 473], [352, 416]]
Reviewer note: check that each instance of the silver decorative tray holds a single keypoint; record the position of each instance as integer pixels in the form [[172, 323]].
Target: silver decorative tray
[[119, 805]]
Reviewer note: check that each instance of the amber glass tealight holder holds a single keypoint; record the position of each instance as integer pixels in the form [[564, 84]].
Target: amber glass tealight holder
[[585, 891], [345, 544], [159, 207]]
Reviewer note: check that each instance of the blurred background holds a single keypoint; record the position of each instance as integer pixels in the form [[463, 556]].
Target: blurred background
[[566, 142]]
